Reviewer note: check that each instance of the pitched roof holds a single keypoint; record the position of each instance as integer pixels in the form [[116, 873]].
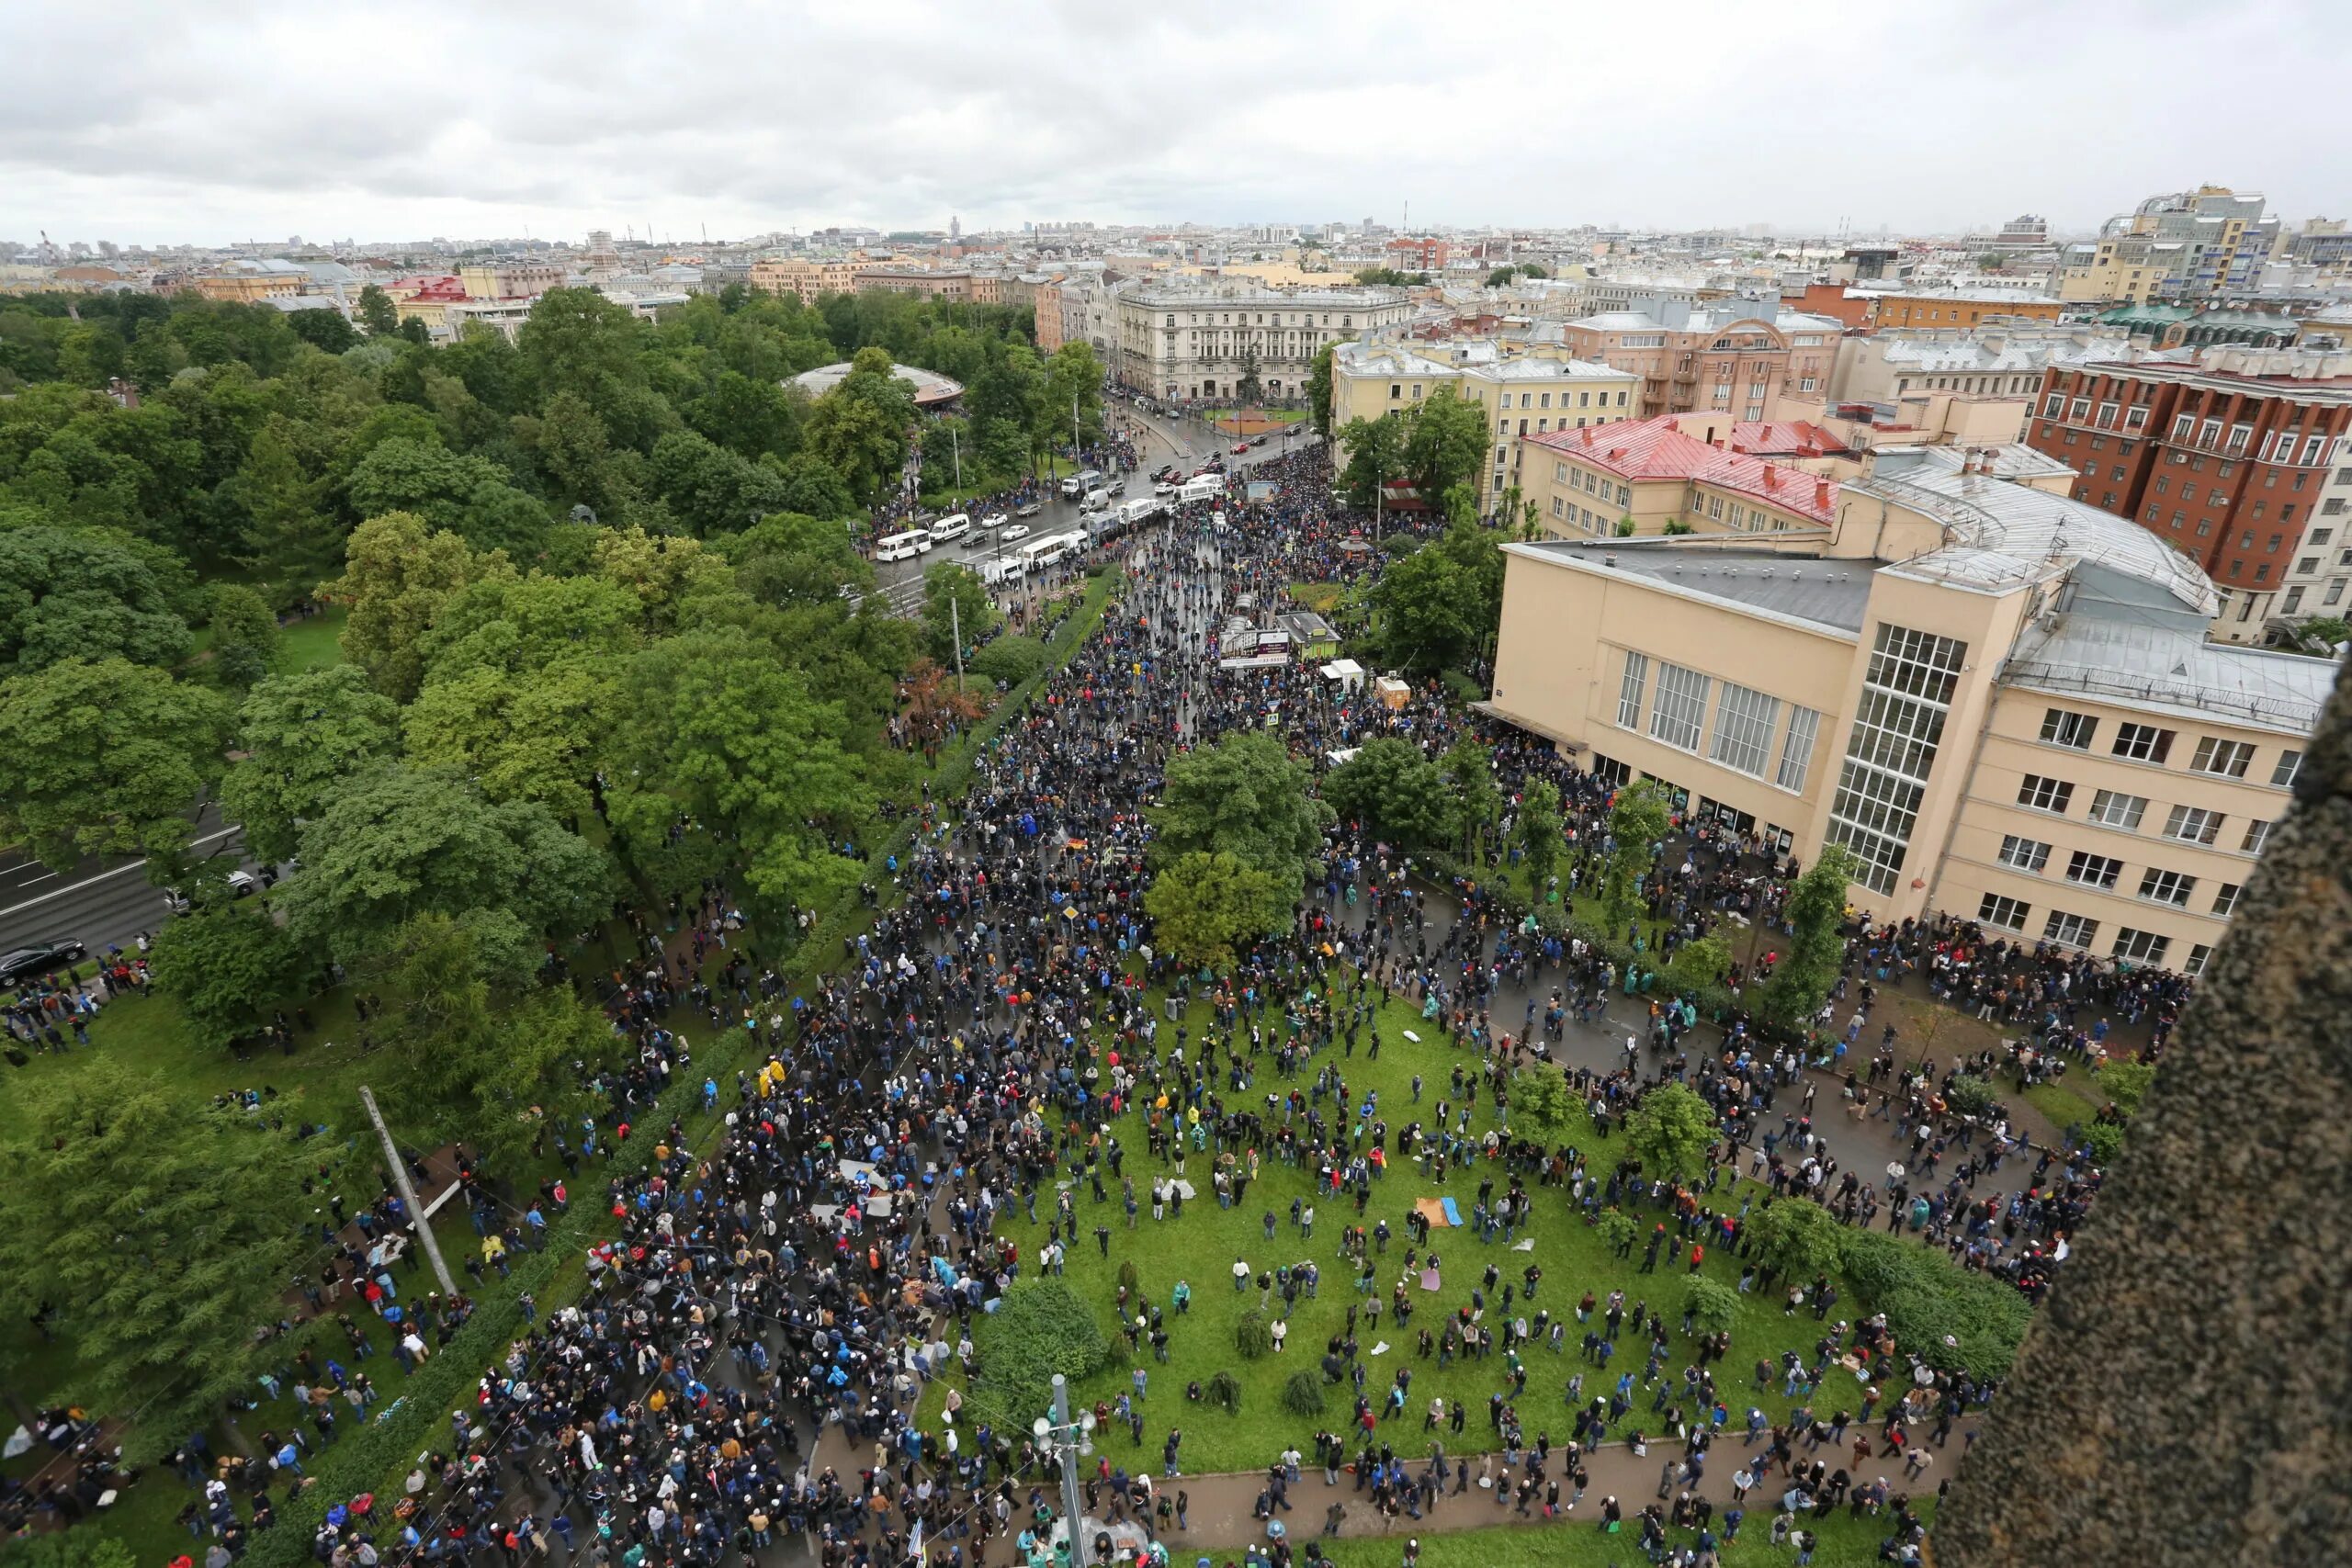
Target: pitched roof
[[1657, 450]]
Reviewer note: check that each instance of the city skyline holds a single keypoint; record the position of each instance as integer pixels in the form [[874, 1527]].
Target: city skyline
[[209, 131]]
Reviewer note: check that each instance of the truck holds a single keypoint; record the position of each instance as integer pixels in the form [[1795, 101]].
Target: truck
[[1202, 486], [1078, 484], [1141, 510]]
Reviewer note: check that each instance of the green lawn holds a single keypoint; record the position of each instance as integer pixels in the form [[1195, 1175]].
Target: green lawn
[[1270, 416], [1846, 1542], [2059, 1100], [1201, 1247], [312, 644]]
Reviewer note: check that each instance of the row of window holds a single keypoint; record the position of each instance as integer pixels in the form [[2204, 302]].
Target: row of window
[[2137, 742], [2080, 931], [2090, 869], [2114, 808], [1746, 721], [1890, 750], [1591, 483]]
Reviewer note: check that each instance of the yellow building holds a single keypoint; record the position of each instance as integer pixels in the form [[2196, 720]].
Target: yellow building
[[248, 287], [809, 279], [1522, 395], [2001, 700], [1680, 473]]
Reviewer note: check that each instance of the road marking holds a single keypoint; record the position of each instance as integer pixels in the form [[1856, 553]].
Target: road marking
[[44, 876], [104, 876]]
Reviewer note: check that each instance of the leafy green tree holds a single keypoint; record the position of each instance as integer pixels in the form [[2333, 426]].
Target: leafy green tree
[[228, 963], [398, 573], [955, 596], [302, 736], [324, 329], [399, 842], [790, 558], [105, 757], [1540, 833], [1073, 378], [712, 736], [749, 418], [1445, 444], [711, 489], [578, 457], [814, 487], [1795, 1236], [1009, 661], [74, 593], [1698, 967], [1638, 822], [1618, 1231], [1376, 449], [1245, 797], [1800, 983], [1469, 770], [1202, 906], [1671, 1131], [68, 1548], [1429, 612], [2126, 1083], [244, 634], [1711, 1305], [290, 543], [1542, 1105], [1318, 389], [376, 316], [577, 341], [1391, 786], [160, 1231]]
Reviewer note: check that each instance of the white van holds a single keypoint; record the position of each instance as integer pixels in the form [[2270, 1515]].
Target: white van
[[1141, 510], [1202, 487], [1097, 500], [950, 528], [903, 547]]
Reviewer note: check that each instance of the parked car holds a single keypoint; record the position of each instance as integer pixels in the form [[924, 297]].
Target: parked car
[[31, 963], [1027, 509], [1164, 487], [1260, 440]]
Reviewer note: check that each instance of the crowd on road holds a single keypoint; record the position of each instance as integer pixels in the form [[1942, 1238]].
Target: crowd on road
[[745, 1364]]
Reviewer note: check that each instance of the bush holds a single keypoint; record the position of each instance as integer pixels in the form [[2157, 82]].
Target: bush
[[1303, 1393], [1225, 1391], [1619, 1230], [1796, 1236], [1928, 1298], [1129, 1276], [1969, 1095], [1253, 1337], [2103, 1139], [1044, 1327], [2124, 1083], [1010, 659], [1710, 1303]]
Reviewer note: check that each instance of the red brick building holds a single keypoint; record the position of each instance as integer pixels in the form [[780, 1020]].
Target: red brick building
[[2223, 458], [1418, 255]]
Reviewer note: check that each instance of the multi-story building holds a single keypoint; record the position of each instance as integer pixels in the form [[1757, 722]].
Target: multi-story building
[[2001, 700], [248, 282], [1999, 362], [2320, 576], [1733, 357], [1877, 310], [809, 280], [1193, 339], [426, 296], [2223, 457], [1522, 395], [509, 280], [1049, 301], [1677, 473], [2186, 244], [916, 281]]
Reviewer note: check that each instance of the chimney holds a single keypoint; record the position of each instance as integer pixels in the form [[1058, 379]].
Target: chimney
[[1821, 495], [1771, 477]]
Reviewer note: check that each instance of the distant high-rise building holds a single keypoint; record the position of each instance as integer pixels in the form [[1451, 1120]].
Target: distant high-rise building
[[955, 227], [2186, 244]]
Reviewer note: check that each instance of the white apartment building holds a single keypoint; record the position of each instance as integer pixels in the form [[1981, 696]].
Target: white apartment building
[[1192, 338]]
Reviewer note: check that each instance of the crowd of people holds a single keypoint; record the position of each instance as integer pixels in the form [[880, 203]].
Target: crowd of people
[[747, 1359]]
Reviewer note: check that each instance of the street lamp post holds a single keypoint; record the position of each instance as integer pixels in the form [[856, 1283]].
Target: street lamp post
[[1068, 1440]]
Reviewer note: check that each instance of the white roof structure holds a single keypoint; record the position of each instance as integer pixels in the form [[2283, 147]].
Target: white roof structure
[[2163, 668]]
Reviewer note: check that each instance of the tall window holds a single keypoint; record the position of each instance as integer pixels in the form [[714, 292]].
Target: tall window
[[2143, 743], [2116, 809], [2227, 758], [1744, 721], [1629, 692], [1680, 708], [2074, 931], [2167, 886], [2025, 854], [2093, 871], [2139, 947], [2006, 913], [1891, 749], [2044, 794], [2062, 728], [2290, 764], [2193, 825], [1796, 748]]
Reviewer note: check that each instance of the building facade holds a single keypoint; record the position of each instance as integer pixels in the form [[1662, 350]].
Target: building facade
[[2223, 457], [1195, 339], [1732, 358], [2000, 700], [1688, 473], [2188, 245], [809, 280], [1521, 395], [509, 280]]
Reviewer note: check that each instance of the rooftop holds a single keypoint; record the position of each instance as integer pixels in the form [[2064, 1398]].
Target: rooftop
[[1818, 592], [1657, 449], [928, 386], [1195, 291], [2167, 669]]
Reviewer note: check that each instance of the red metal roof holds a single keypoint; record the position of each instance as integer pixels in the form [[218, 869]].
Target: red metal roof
[[1656, 449]]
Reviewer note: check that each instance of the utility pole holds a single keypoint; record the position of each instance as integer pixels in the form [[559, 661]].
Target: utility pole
[[1069, 1438], [956, 450], [1075, 444], [956, 629], [408, 1193]]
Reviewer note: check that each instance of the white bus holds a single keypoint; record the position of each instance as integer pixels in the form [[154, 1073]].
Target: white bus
[[950, 528], [903, 547], [1202, 486], [1142, 510], [1051, 549]]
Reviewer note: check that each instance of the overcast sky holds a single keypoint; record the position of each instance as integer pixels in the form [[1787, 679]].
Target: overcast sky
[[210, 122]]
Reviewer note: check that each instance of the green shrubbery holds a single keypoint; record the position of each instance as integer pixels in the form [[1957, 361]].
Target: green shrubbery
[[1710, 1303], [1928, 1299], [1044, 1327], [1303, 1393], [1253, 1337]]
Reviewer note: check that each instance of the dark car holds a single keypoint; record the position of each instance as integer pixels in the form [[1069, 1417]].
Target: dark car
[[1259, 441], [29, 962]]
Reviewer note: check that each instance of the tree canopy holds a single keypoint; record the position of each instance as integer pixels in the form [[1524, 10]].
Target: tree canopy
[[1245, 797]]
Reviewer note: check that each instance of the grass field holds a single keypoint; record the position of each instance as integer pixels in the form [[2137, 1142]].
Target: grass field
[[1200, 1248], [312, 644]]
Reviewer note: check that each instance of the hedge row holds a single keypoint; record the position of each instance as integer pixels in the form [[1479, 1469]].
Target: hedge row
[[379, 1453]]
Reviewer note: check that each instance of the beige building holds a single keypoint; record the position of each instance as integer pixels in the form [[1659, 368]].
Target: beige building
[[1681, 474], [509, 279], [1731, 358], [1522, 394], [1178, 338], [809, 280], [2001, 700]]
